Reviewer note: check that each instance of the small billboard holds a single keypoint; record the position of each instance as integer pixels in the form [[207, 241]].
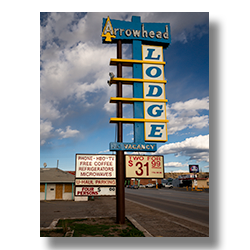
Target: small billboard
[[193, 168]]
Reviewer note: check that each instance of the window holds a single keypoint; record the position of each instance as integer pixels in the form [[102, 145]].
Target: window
[[67, 188], [42, 187]]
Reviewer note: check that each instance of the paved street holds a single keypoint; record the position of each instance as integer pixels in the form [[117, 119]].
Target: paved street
[[191, 205]]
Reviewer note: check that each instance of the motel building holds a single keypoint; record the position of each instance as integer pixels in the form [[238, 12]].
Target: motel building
[[56, 184]]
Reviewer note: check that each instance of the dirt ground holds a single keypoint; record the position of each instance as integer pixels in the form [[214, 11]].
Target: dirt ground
[[157, 223]]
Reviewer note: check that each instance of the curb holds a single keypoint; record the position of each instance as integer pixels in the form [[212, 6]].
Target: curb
[[139, 227]]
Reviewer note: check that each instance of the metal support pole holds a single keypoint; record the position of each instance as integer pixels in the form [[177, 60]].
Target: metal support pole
[[120, 171]]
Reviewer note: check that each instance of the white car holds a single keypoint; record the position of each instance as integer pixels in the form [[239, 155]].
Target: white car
[[168, 185], [150, 185]]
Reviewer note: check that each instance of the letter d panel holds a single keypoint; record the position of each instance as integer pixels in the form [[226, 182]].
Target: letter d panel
[[154, 90], [155, 131]]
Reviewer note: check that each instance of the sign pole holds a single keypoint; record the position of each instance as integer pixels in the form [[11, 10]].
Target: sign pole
[[120, 170]]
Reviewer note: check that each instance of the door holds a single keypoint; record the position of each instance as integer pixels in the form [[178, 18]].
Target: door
[[59, 191]]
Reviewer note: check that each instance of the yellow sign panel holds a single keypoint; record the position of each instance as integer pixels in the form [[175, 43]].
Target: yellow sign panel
[[144, 166]]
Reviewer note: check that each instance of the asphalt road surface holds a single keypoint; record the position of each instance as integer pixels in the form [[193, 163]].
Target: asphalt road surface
[[190, 205]]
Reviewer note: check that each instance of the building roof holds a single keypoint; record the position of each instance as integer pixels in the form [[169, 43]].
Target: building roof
[[55, 175], [71, 172]]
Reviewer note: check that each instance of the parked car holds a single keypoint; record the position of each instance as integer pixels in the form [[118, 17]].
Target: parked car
[[128, 186], [134, 187], [142, 186], [168, 185], [150, 185]]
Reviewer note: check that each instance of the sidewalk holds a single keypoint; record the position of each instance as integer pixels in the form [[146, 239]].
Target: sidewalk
[[157, 223]]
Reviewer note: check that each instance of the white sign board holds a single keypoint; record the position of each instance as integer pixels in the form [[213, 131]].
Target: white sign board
[[94, 191], [95, 166], [95, 182], [144, 166]]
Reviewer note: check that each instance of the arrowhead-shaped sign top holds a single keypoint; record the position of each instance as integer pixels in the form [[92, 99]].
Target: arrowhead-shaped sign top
[[108, 31]]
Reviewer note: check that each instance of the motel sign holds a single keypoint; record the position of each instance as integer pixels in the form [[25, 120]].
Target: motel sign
[[149, 98]]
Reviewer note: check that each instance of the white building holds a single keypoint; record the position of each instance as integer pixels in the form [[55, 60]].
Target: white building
[[56, 184]]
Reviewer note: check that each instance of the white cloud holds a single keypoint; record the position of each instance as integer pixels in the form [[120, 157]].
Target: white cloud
[[74, 72], [67, 133], [183, 115], [109, 107], [196, 148], [103, 152], [193, 104], [45, 131], [180, 171], [48, 110], [175, 165]]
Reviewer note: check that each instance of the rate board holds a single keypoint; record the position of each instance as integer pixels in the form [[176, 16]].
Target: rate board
[[144, 166]]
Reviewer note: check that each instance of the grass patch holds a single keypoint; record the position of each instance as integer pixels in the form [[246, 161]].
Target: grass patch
[[96, 227]]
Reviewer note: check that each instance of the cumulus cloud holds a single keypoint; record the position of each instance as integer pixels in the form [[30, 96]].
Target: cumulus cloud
[[195, 148], [67, 133], [45, 131], [175, 165], [183, 115]]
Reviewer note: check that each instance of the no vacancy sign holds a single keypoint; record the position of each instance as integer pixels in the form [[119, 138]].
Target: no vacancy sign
[[144, 166]]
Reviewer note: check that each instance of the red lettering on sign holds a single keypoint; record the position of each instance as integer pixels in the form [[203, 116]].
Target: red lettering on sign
[[140, 172], [137, 158], [88, 158]]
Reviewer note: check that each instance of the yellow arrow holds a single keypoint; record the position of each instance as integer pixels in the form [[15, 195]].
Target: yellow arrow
[[108, 37]]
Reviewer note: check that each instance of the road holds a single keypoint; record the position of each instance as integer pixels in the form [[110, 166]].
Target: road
[[190, 205]]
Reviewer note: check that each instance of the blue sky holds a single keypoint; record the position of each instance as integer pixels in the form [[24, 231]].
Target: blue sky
[[74, 95]]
